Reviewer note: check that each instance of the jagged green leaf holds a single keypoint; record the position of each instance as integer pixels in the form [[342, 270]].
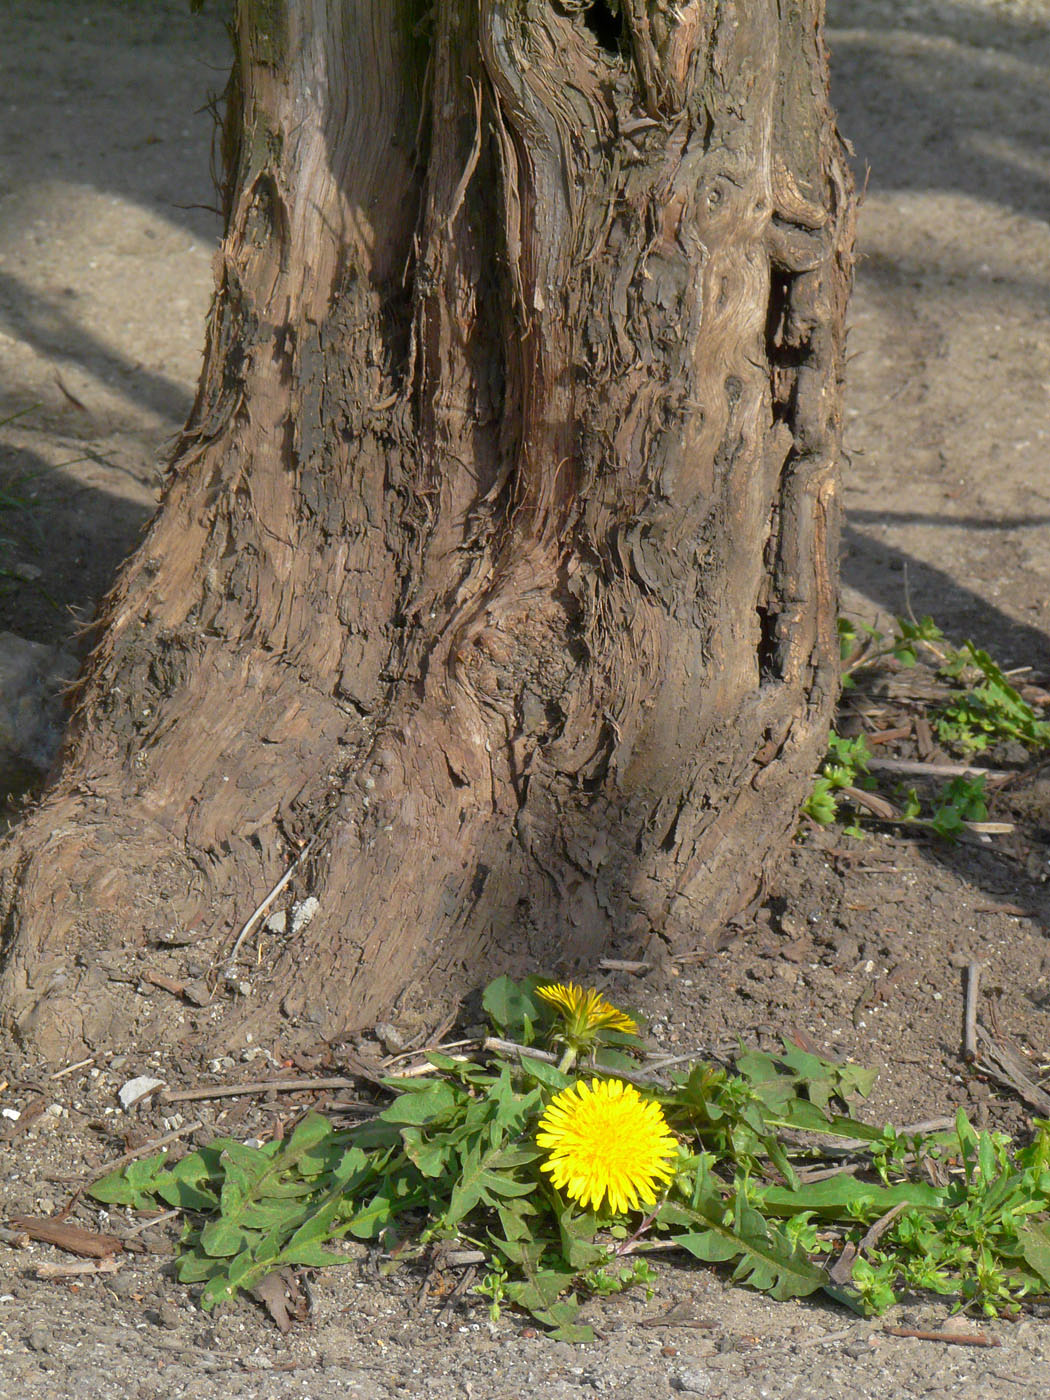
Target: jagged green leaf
[[544, 1073], [134, 1185], [223, 1238], [512, 1007], [431, 1158], [432, 1103], [768, 1259], [194, 1183], [844, 1196], [1034, 1241]]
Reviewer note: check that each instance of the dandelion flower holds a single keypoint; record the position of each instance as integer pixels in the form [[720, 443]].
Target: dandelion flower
[[606, 1141], [586, 1011]]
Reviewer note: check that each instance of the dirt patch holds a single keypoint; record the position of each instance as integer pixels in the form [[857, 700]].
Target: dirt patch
[[104, 282]]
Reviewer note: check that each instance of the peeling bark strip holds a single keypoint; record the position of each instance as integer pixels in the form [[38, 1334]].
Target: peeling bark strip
[[499, 549]]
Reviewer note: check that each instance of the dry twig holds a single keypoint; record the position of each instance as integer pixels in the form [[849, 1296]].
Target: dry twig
[[959, 1339], [69, 1069], [973, 982], [256, 1086], [263, 908], [84, 1266], [146, 1149], [937, 770], [1000, 1063]]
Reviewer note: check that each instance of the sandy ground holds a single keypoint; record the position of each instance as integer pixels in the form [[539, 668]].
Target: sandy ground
[[105, 246]]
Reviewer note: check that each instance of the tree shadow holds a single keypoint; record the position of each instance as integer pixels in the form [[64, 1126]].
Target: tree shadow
[[62, 541], [900, 583], [904, 90], [151, 69], [50, 329], [105, 150], [947, 99], [954, 522]]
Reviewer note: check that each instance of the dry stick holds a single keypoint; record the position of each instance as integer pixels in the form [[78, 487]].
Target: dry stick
[[959, 1339], [937, 770], [511, 1047], [414, 1047], [460, 1258], [83, 1266], [258, 913], [623, 965], [74, 1239], [976, 828], [424, 1067], [665, 1061], [841, 1272], [345, 1106], [927, 1125], [878, 1229], [461, 1287], [849, 1147], [826, 1337], [1001, 1064], [152, 1220], [80, 1064], [876, 805], [255, 1086], [146, 1149], [888, 736], [973, 981], [826, 1173]]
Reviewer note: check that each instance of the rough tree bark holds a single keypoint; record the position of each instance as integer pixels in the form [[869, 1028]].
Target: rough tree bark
[[496, 570]]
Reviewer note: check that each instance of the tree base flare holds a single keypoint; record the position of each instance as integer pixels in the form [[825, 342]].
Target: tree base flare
[[496, 569]]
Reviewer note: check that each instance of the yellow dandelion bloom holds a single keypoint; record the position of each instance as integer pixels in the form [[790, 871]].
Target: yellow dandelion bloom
[[586, 1011], [606, 1141]]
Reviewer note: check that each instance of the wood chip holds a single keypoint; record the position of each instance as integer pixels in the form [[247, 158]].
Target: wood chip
[[71, 1238], [876, 805], [888, 736], [85, 1266], [924, 738]]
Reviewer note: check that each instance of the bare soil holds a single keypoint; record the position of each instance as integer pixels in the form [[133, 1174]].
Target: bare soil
[[105, 244]]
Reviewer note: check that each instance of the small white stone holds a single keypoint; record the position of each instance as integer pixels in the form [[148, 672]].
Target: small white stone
[[136, 1089], [303, 912]]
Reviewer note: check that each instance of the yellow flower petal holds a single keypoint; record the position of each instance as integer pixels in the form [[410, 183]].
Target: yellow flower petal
[[586, 1010], [607, 1143]]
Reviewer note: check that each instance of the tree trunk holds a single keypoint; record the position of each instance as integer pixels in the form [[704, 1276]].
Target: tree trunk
[[494, 582]]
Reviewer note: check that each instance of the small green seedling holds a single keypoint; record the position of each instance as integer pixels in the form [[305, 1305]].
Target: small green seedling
[[981, 709]]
